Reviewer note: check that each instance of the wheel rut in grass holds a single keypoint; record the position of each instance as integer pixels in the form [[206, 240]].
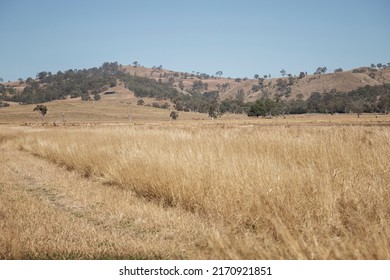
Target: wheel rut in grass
[[112, 221]]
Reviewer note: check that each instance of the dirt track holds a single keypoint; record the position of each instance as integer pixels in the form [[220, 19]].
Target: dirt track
[[49, 212]]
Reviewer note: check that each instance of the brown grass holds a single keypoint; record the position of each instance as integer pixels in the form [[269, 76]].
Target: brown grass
[[258, 192]]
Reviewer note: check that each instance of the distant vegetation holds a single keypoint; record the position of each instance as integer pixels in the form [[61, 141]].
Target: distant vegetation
[[368, 99], [89, 83], [71, 83]]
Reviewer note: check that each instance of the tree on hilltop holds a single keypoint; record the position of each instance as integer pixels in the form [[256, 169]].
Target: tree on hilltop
[[321, 70], [42, 75]]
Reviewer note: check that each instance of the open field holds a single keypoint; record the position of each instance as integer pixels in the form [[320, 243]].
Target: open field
[[116, 109], [308, 187]]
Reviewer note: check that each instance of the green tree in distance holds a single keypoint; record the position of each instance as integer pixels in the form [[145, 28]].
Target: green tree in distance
[[96, 96], [42, 110], [174, 115]]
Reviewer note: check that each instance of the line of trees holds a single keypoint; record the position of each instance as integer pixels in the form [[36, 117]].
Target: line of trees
[[368, 99]]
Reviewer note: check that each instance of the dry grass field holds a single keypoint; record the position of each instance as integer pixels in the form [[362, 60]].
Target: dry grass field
[[308, 187]]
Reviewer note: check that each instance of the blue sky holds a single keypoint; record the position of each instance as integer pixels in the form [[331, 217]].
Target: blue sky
[[240, 38]]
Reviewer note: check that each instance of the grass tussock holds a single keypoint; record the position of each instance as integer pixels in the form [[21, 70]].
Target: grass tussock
[[271, 192]]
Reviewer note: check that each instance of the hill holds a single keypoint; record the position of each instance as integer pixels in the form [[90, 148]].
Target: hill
[[253, 89], [360, 90], [120, 107]]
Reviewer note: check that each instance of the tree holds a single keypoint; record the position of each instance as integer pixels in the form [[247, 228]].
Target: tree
[[321, 70], [257, 109], [357, 107], [85, 96], [219, 73], [338, 70], [135, 63], [140, 102], [198, 85], [41, 75], [256, 76], [174, 115], [283, 72], [96, 96], [298, 105], [373, 65], [42, 110], [301, 75], [264, 106], [214, 110], [379, 65]]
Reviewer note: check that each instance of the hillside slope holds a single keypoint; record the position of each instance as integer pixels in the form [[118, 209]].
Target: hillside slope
[[288, 87]]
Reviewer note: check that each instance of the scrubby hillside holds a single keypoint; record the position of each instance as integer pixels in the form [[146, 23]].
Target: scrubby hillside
[[253, 89], [360, 90]]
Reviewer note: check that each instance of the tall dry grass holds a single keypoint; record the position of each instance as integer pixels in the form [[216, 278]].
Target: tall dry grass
[[272, 192]]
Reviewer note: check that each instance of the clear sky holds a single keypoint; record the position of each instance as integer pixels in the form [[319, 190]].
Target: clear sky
[[238, 37]]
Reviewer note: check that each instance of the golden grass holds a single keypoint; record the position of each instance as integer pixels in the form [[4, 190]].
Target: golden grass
[[47, 212], [111, 108], [114, 109], [266, 192]]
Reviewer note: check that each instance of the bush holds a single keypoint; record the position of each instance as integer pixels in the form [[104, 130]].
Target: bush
[[174, 115], [96, 96]]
